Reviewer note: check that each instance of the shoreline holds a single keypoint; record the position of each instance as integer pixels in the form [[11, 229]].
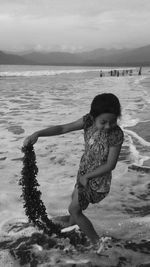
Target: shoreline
[[140, 129]]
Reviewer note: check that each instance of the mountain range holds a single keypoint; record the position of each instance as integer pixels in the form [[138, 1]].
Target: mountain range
[[97, 57]]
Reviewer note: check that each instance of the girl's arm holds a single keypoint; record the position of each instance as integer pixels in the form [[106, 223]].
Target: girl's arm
[[54, 130], [113, 155]]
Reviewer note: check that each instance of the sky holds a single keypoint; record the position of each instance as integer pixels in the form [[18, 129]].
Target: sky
[[73, 25]]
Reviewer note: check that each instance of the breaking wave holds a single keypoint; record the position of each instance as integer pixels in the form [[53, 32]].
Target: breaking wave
[[44, 72]]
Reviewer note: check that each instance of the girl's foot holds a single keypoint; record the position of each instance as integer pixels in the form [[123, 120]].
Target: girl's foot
[[65, 221], [70, 228], [101, 244]]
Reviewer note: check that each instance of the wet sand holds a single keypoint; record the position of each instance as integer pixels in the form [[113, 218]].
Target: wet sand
[[29, 104], [142, 129]]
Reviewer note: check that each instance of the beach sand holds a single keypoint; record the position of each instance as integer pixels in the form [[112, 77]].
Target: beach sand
[[26, 246]]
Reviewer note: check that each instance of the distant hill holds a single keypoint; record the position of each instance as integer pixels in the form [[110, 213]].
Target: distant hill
[[12, 59], [134, 57], [54, 58], [98, 57], [63, 58]]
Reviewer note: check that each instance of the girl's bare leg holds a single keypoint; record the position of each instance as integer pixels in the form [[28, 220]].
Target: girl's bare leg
[[80, 219], [65, 220]]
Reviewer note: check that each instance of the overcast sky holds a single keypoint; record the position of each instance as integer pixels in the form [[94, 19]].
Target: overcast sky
[[73, 25]]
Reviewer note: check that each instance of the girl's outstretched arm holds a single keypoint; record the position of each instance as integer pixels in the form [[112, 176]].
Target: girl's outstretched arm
[[54, 130]]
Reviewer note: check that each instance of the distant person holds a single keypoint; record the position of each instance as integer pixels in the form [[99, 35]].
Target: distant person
[[117, 73], [140, 71], [123, 73], [101, 74], [103, 140]]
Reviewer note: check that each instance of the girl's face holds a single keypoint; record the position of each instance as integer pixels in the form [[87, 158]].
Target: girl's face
[[106, 121]]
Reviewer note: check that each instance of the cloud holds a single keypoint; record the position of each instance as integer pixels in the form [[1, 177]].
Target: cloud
[[74, 24], [72, 7]]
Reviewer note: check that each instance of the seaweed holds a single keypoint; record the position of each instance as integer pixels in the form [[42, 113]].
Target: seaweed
[[34, 206]]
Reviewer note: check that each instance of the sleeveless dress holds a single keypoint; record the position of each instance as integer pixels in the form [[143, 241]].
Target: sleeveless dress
[[96, 151]]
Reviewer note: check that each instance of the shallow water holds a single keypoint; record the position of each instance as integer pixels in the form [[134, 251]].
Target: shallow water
[[35, 97]]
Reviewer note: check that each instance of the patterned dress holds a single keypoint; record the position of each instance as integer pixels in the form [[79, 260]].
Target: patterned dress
[[96, 151]]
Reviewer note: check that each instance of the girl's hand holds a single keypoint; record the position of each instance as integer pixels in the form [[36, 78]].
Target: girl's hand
[[31, 140], [83, 180]]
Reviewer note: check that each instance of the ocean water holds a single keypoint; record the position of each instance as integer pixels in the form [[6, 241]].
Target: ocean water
[[35, 97]]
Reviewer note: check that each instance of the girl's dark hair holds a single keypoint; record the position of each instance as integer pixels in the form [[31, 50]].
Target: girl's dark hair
[[105, 103]]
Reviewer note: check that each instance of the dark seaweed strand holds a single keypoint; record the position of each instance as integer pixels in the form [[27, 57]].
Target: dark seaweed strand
[[34, 207]]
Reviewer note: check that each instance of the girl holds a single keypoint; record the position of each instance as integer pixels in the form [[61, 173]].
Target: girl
[[103, 141]]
